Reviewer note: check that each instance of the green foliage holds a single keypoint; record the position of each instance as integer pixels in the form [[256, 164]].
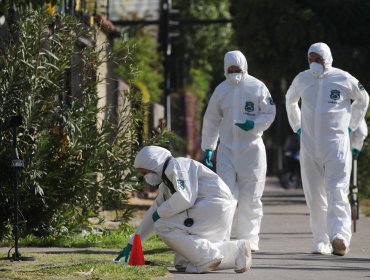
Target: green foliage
[[275, 35], [142, 50], [203, 46], [197, 64], [73, 166], [199, 84], [144, 71], [92, 237], [363, 167], [22, 4]]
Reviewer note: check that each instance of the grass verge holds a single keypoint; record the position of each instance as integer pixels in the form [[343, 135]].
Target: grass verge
[[92, 264]]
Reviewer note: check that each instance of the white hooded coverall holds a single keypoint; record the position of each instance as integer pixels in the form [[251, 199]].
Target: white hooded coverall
[[241, 155], [324, 117], [199, 194]]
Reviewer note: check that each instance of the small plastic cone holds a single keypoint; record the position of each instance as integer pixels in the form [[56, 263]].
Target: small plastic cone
[[137, 255]]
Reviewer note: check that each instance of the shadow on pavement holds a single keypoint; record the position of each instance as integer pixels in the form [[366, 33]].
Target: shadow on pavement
[[105, 252]]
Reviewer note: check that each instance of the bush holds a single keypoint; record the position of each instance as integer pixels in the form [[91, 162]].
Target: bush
[[72, 166]]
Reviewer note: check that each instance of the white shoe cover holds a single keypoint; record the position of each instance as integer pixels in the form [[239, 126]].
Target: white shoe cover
[[243, 261], [208, 267], [339, 247], [321, 249]]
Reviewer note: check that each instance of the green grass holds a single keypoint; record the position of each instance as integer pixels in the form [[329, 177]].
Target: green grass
[[109, 239], [105, 239], [70, 265]]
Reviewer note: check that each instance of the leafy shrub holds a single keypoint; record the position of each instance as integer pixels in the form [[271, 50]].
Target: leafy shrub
[[73, 167]]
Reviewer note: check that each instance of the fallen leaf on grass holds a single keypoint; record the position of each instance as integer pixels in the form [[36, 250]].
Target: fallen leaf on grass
[[85, 272]]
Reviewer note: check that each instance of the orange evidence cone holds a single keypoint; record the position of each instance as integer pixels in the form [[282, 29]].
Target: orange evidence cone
[[137, 255]]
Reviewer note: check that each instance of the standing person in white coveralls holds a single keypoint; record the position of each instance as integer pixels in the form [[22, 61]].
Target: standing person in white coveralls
[[239, 111], [324, 121], [191, 213]]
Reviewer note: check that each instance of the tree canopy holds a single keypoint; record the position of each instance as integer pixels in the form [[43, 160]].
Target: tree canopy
[[202, 47], [275, 35]]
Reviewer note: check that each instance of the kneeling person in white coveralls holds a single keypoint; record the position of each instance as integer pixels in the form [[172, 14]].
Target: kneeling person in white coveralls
[[333, 103], [191, 213]]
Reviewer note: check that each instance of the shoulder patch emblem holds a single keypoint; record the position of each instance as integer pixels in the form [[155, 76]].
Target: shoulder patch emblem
[[335, 94], [180, 184], [249, 106], [360, 86]]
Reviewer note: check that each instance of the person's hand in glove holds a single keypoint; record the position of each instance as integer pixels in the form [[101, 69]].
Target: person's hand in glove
[[355, 152], [299, 132], [155, 216], [248, 125], [124, 253], [207, 158]]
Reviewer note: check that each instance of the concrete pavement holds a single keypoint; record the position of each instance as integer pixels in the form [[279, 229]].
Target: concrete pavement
[[286, 242]]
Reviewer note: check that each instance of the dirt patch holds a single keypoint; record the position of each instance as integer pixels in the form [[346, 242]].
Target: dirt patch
[[140, 201]]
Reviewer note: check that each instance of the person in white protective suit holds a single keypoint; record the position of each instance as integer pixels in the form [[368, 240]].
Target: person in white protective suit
[[358, 137], [324, 121], [239, 111], [191, 213]]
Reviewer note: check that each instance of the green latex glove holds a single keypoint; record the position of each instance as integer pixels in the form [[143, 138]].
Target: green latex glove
[[355, 153], [155, 216], [207, 158], [299, 132], [349, 131], [248, 125], [124, 253]]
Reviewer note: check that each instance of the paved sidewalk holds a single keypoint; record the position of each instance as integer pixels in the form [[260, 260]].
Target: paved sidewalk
[[286, 242]]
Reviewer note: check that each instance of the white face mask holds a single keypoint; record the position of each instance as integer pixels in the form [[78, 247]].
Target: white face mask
[[316, 69], [152, 179], [234, 78]]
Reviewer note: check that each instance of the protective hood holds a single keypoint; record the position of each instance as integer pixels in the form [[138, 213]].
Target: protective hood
[[323, 50], [238, 59], [152, 158]]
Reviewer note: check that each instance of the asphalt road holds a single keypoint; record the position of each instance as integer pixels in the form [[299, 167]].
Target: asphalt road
[[286, 242]]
